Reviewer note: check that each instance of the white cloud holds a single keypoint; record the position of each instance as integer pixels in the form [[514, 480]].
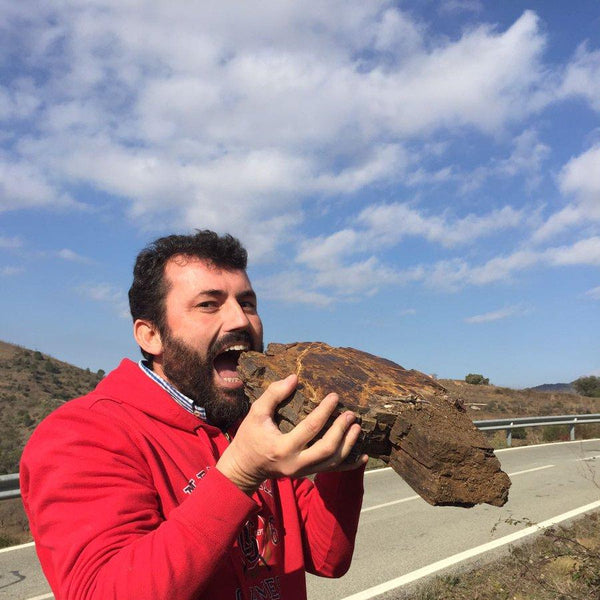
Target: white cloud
[[24, 186], [9, 271], [455, 6], [594, 293], [72, 256], [581, 176], [496, 315], [385, 225], [10, 242], [366, 276], [19, 102], [580, 179], [261, 107], [583, 252], [559, 221], [108, 295], [582, 76], [326, 252], [455, 274], [391, 222], [292, 287], [526, 159]]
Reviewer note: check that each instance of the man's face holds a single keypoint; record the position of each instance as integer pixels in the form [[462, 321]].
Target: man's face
[[211, 316]]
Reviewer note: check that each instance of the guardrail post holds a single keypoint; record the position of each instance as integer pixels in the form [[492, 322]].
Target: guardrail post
[[9, 486], [572, 432], [509, 436]]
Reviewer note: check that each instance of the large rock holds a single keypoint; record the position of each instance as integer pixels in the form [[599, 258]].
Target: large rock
[[406, 417]]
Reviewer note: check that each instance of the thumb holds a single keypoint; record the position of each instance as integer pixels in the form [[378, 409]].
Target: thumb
[[276, 393]]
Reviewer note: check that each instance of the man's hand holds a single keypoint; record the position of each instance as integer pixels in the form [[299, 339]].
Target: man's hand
[[260, 451]]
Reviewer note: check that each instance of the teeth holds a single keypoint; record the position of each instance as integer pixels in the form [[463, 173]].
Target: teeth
[[231, 379], [238, 348]]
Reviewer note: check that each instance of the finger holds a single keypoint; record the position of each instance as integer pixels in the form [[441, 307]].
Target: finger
[[310, 426], [349, 441], [351, 466], [276, 393], [334, 446], [340, 437]]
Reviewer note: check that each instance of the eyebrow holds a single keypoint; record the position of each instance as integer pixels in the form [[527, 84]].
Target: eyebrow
[[249, 293]]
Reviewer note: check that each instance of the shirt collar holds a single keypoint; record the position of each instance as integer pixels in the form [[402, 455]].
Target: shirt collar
[[181, 399]]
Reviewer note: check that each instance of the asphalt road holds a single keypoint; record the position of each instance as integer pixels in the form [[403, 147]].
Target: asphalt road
[[401, 539]]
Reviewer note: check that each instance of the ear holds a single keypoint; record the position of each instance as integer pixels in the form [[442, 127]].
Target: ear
[[147, 336]]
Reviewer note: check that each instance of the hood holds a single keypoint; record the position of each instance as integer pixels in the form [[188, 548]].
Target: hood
[[128, 384]]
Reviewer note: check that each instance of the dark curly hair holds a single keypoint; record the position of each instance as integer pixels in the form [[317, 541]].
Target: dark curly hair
[[149, 289]]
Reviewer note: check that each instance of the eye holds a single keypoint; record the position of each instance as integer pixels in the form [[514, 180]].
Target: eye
[[248, 305], [207, 305]]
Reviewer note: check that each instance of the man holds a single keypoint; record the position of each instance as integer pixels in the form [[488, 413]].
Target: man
[[162, 483]]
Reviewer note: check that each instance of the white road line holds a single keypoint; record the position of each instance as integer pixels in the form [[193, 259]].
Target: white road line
[[531, 470], [369, 508], [43, 597], [389, 503], [533, 446], [546, 444], [461, 556], [588, 458], [11, 548], [371, 471]]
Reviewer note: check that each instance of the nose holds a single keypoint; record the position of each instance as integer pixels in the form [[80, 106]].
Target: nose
[[234, 316]]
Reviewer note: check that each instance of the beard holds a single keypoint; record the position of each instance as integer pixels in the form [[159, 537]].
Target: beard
[[192, 374]]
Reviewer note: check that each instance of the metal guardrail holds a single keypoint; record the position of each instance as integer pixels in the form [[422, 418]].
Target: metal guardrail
[[9, 484], [519, 423]]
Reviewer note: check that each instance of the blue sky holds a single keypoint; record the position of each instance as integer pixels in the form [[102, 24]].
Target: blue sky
[[420, 180]]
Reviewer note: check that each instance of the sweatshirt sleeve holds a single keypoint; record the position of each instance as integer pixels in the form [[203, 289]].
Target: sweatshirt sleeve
[[96, 517], [330, 509]]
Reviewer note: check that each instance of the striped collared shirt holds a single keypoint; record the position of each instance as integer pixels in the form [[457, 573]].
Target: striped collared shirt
[[180, 398]]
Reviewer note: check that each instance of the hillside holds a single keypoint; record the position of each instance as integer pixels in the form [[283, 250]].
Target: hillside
[[555, 387], [32, 385], [492, 402]]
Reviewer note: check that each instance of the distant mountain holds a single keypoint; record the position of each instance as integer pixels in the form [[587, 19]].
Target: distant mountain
[[566, 388], [32, 385]]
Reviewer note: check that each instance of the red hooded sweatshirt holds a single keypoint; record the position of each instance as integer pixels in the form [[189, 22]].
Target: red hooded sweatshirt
[[124, 503]]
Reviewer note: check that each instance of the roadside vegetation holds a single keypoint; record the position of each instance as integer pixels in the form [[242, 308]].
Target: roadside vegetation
[[32, 385], [562, 563]]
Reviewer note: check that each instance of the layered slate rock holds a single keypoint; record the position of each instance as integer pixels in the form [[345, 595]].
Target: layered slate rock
[[406, 417]]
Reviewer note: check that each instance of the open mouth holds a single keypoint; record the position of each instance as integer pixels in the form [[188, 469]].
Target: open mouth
[[225, 363]]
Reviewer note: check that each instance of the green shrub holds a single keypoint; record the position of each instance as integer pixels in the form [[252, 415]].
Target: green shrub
[[555, 433], [51, 367], [588, 386], [519, 434], [7, 540], [477, 379]]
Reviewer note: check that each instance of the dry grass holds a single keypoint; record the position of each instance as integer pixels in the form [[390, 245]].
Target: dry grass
[[32, 385], [492, 402], [562, 563], [14, 526]]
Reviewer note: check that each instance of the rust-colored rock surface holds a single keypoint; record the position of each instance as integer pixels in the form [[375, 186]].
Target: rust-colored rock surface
[[406, 417]]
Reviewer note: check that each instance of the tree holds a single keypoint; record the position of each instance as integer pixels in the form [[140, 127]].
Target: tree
[[588, 386], [477, 379]]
